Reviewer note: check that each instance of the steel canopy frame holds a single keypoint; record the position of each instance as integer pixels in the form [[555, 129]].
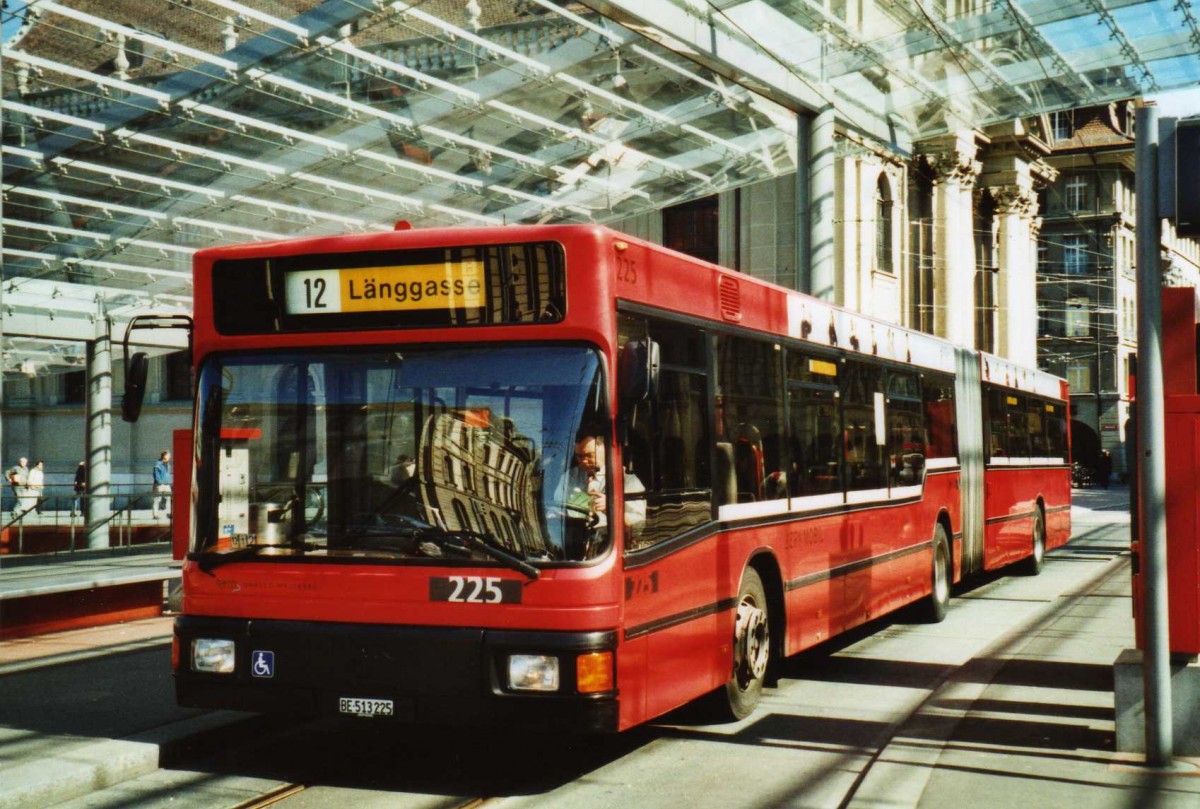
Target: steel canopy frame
[[488, 114]]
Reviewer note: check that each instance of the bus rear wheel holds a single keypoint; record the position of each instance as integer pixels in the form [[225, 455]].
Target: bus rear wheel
[[751, 647], [938, 601], [1033, 564]]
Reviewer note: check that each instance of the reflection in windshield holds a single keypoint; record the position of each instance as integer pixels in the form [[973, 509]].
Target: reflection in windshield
[[387, 453]]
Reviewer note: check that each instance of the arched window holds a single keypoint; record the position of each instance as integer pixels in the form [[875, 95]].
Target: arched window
[[883, 226], [986, 268], [921, 265], [460, 513]]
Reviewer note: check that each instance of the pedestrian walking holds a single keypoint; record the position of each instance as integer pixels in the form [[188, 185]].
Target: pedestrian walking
[[80, 488], [35, 490], [160, 502], [1104, 467], [18, 479]]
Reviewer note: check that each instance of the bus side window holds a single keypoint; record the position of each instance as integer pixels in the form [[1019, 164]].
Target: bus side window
[[937, 398], [996, 419], [636, 451], [905, 431], [750, 426], [815, 429], [668, 442], [1018, 426], [1056, 431], [1038, 436], [864, 456]]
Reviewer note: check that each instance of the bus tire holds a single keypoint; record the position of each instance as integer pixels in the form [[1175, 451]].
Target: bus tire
[[751, 648], [1033, 563], [938, 601]]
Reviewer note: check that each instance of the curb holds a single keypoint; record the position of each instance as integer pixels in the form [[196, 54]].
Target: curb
[[86, 767], [13, 561]]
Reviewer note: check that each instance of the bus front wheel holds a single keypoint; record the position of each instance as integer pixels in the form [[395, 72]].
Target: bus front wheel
[[751, 647]]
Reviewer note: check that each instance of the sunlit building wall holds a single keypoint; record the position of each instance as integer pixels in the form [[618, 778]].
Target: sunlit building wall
[[1087, 272]]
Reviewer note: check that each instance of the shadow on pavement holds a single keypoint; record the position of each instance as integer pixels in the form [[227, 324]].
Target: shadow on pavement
[[107, 697]]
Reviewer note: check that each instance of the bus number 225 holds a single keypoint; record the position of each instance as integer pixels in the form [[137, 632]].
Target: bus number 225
[[474, 590]]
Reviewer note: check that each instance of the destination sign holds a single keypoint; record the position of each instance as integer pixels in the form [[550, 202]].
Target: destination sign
[[442, 286], [445, 285]]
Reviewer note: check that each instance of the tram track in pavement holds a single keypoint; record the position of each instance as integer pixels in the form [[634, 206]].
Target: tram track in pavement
[[280, 793], [976, 675], [301, 764], [284, 792]]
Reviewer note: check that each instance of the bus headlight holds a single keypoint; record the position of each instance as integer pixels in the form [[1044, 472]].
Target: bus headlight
[[533, 672], [213, 655]]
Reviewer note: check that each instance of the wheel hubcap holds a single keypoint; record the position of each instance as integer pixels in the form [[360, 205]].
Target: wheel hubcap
[[752, 643]]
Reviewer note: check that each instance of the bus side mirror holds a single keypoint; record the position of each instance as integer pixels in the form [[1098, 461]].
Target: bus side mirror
[[138, 366], [638, 372], [135, 386]]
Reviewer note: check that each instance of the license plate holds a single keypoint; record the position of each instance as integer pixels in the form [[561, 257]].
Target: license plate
[[356, 706]]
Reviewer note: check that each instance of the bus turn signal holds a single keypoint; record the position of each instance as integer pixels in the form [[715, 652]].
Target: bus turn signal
[[594, 672]]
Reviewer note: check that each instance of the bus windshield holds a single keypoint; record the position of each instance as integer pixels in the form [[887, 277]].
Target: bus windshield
[[450, 454]]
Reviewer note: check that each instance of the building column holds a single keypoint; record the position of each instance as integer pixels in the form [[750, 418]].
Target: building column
[[956, 170], [854, 267], [822, 178], [1016, 287], [99, 437]]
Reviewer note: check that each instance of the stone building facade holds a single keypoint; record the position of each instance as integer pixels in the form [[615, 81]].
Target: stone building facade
[[1087, 282], [944, 241]]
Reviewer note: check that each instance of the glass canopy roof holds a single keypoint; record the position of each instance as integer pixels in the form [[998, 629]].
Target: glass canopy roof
[[138, 131]]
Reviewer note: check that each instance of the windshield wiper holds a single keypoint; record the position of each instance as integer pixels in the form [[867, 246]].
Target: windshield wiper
[[461, 541], [485, 543], [208, 561], [381, 532], [435, 542], [501, 555]]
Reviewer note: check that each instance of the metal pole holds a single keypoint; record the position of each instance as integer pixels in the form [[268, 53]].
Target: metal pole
[[1152, 474], [99, 435], [803, 281], [5, 461]]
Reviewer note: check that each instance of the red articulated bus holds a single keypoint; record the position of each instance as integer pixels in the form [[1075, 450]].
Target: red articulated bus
[[404, 488]]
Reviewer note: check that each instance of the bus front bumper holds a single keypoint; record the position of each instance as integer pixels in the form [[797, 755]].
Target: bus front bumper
[[422, 675]]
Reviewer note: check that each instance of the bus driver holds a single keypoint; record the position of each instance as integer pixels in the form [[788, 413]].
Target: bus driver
[[588, 475]]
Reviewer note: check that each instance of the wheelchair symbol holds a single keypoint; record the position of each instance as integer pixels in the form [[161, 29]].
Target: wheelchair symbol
[[262, 664]]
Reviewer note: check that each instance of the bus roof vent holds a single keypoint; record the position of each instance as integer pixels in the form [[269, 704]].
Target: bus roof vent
[[729, 298]]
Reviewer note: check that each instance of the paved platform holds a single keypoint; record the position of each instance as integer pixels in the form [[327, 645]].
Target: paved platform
[[56, 648], [42, 593], [1021, 717], [21, 577]]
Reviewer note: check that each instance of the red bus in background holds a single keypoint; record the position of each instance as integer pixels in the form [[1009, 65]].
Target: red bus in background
[[557, 475]]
